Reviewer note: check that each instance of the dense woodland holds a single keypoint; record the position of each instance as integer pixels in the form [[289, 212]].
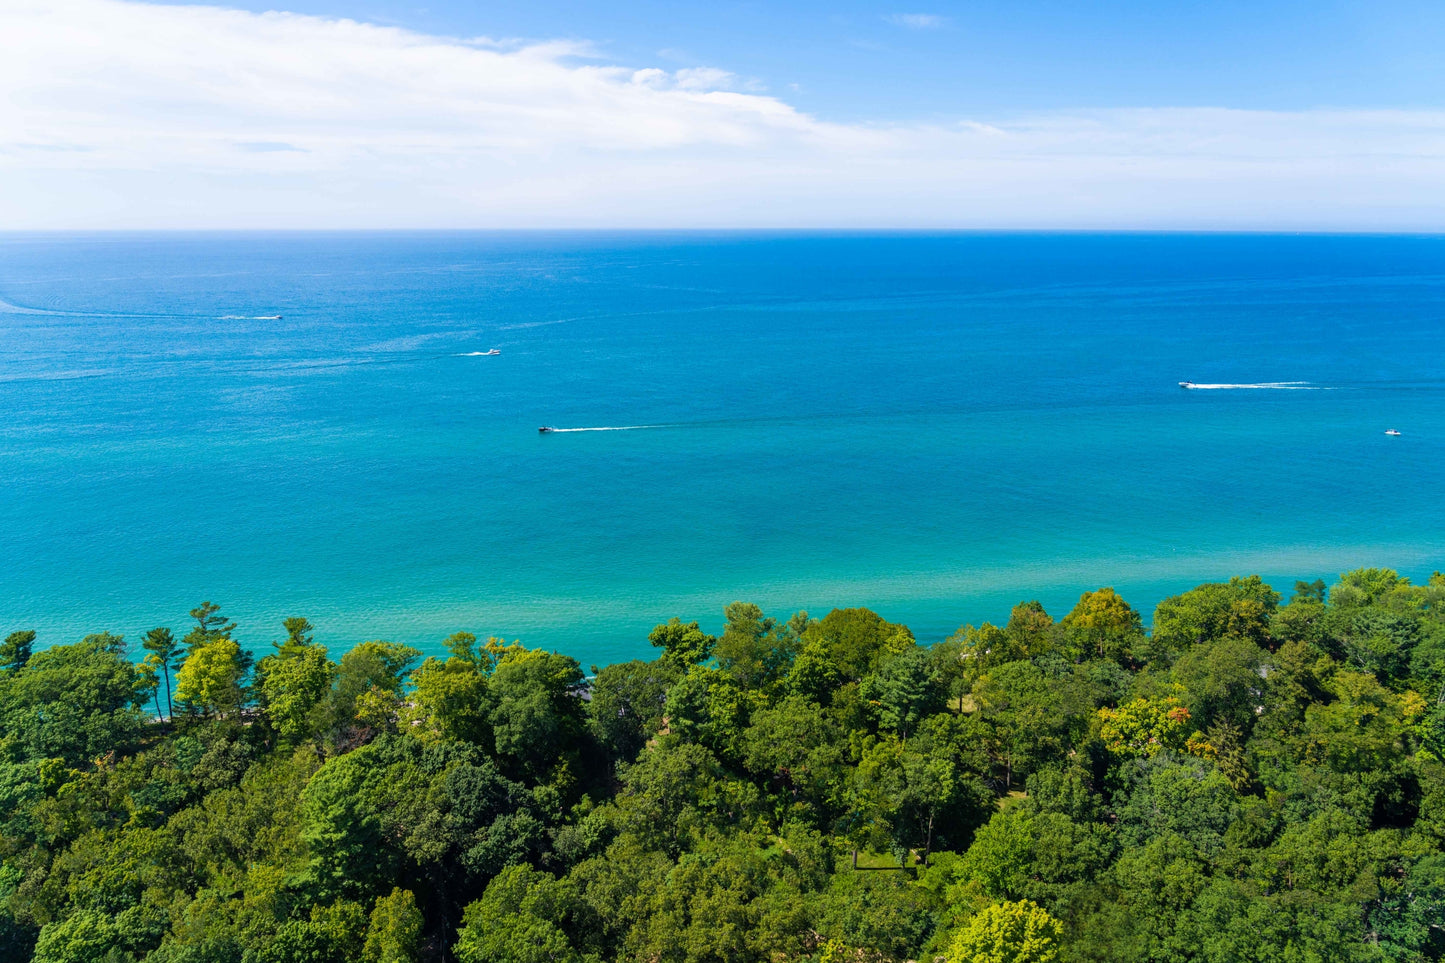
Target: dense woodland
[[1249, 778]]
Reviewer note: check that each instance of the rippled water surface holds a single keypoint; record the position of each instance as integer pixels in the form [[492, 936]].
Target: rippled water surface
[[935, 426]]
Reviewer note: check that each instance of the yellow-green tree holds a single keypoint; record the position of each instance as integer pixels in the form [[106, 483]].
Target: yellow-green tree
[[1145, 727], [449, 701], [1102, 626], [211, 677], [394, 935], [1021, 932], [292, 683]]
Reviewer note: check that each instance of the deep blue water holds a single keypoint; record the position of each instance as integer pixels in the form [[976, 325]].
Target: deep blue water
[[935, 426]]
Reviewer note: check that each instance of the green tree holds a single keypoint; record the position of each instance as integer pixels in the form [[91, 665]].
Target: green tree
[[814, 675], [1407, 919], [149, 677], [330, 934], [1303, 620], [1374, 639], [1031, 629], [736, 900], [1021, 932], [16, 651], [1371, 586], [911, 797], [537, 715], [1031, 719], [1188, 799], [449, 701], [1000, 861], [670, 796], [685, 644], [713, 709], [160, 643], [755, 650], [858, 641], [210, 627], [904, 690], [368, 689], [293, 682], [1240, 608], [882, 915], [627, 704], [802, 754], [73, 702], [519, 919], [394, 933], [1102, 626], [1360, 732], [346, 806], [971, 652], [1223, 680], [86, 936], [298, 631], [211, 678], [463, 647], [1032, 850]]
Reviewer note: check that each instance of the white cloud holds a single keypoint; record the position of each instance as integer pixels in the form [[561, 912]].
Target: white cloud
[[917, 21], [117, 114]]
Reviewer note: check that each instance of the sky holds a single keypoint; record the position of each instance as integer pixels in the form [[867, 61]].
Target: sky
[[1030, 114]]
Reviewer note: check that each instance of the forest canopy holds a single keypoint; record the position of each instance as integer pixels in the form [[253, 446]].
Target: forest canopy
[[1240, 777]]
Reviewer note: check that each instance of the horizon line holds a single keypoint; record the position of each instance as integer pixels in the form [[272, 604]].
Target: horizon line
[[1118, 231]]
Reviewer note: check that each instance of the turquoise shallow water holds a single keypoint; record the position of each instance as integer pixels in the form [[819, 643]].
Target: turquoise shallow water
[[935, 426]]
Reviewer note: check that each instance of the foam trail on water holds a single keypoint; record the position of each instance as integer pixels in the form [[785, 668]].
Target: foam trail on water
[[611, 428], [7, 308], [1263, 385], [533, 324]]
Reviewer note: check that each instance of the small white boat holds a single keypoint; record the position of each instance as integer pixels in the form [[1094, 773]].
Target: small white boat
[[1391, 431], [488, 354], [1186, 384]]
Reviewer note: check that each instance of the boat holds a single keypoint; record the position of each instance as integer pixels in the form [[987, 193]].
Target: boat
[[1391, 431], [488, 354], [1186, 384], [545, 429], [269, 317]]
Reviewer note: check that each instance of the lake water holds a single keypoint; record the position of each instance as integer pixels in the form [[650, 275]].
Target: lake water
[[935, 426]]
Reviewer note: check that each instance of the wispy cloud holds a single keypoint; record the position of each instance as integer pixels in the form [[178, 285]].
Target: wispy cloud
[[265, 146], [917, 21], [207, 117]]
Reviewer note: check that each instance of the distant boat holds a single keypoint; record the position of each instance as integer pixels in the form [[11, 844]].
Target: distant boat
[[1391, 431], [545, 429], [488, 354], [269, 317], [1186, 384]]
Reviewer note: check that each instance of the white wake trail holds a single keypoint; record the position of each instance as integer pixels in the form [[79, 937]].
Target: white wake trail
[[609, 428], [1263, 385]]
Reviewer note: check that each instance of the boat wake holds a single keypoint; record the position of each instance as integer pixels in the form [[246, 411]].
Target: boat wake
[[560, 431], [1262, 386], [7, 308], [249, 317]]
